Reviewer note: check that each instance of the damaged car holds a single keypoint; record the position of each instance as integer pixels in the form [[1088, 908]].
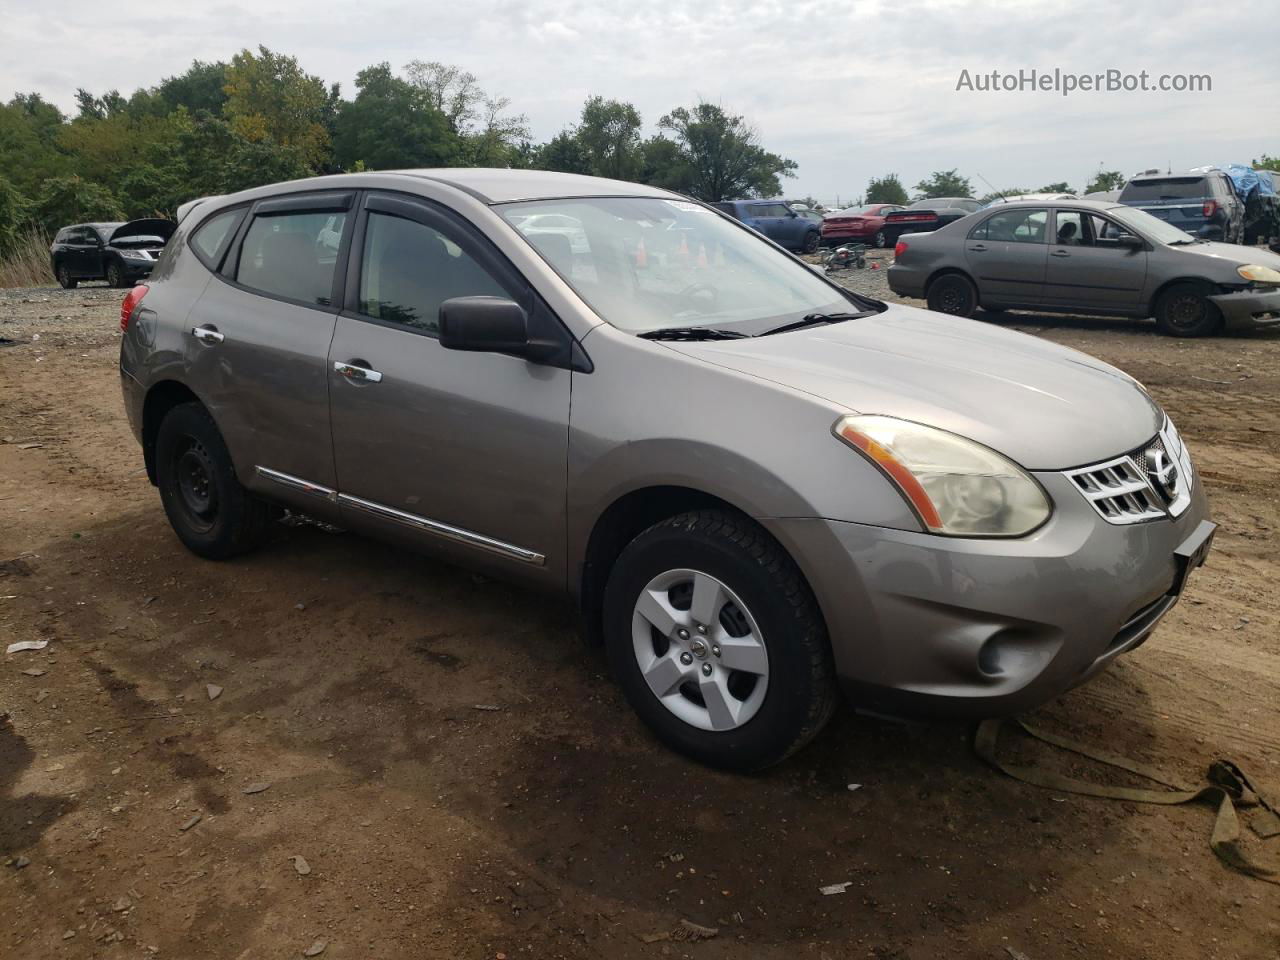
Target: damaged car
[[1093, 258], [119, 253]]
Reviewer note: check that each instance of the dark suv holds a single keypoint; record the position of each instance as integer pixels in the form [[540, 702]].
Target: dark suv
[[1203, 204], [777, 221], [119, 253]]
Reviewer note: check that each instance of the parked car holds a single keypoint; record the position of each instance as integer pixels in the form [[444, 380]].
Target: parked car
[[120, 253], [737, 532], [858, 225], [777, 221], [925, 215], [1014, 198], [1087, 257], [1203, 204]]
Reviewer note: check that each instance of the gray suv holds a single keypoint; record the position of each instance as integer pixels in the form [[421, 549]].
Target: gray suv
[[758, 487]]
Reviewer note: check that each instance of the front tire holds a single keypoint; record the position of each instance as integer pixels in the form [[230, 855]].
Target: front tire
[[718, 642], [954, 294], [115, 276], [880, 241], [811, 241], [65, 280], [1185, 310], [212, 514]]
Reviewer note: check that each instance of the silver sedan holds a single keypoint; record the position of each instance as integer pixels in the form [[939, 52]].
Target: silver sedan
[[1091, 257]]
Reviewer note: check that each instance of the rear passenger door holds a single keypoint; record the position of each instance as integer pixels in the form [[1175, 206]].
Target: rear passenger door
[[461, 452], [257, 343]]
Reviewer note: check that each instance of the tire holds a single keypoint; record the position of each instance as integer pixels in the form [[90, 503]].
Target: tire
[[1184, 310], [752, 719], [811, 241], [212, 514], [64, 277], [115, 276], [954, 294], [880, 241]]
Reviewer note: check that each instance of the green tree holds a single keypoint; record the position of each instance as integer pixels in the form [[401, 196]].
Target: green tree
[[269, 97], [886, 189], [28, 152], [664, 164], [723, 154], [15, 216], [450, 89], [1266, 162], [491, 135], [392, 124], [64, 200], [609, 132], [564, 154], [1060, 187], [944, 183], [201, 87], [1105, 181]]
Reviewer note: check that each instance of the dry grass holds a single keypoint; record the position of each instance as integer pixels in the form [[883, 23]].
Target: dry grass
[[27, 264]]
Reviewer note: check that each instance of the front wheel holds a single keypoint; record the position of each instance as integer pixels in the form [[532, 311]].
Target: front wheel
[[880, 241], [954, 294], [115, 277], [1185, 310], [718, 642], [65, 279], [212, 514], [811, 241]]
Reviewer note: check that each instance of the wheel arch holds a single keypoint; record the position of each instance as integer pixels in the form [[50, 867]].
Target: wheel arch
[[161, 397], [946, 271], [1164, 288]]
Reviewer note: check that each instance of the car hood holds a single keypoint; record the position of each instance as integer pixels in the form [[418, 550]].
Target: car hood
[[146, 227], [1045, 406], [1230, 255]]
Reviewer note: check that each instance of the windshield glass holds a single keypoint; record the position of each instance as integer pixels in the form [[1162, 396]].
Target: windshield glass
[[1173, 188], [1152, 228], [645, 264]]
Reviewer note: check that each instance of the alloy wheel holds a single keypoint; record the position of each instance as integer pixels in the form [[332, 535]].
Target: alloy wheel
[[700, 650]]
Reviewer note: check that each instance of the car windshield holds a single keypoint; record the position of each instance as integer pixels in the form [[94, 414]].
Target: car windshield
[[646, 264], [1153, 228]]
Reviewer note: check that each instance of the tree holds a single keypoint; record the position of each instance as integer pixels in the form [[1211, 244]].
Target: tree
[[886, 189], [64, 200], [563, 153], [1266, 162], [610, 136], [1060, 187], [27, 154], [451, 90], [202, 87], [270, 97], [1104, 181], [491, 136], [663, 163], [499, 136], [390, 124], [722, 154], [15, 216], [944, 183]]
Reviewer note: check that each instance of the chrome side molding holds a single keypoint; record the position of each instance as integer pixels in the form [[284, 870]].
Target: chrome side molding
[[297, 483], [444, 530]]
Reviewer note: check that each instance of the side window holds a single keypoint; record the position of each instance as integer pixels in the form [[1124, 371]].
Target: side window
[[1070, 229], [980, 231], [408, 269], [1104, 232], [291, 255], [1017, 226], [212, 234]]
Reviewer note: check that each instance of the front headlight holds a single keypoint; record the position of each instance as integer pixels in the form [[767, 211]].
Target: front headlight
[[133, 255], [1258, 273], [957, 487]]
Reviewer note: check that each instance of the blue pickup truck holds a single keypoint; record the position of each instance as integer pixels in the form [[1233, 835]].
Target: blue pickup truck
[[777, 221]]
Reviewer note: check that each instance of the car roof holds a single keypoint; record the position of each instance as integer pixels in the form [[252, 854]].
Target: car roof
[[492, 185], [1086, 204]]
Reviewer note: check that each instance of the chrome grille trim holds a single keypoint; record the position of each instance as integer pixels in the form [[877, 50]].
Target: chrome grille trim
[[1121, 491]]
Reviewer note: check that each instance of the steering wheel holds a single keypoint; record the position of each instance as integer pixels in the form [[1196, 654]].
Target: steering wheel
[[703, 296]]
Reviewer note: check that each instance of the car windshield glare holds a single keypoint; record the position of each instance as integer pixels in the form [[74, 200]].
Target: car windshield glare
[[648, 263], [1153, 228]]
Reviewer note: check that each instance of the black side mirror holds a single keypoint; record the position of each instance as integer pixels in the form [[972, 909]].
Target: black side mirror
[[1130, 241], [491, 325]]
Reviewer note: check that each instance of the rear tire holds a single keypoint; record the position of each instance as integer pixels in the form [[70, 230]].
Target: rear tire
[[954, 294], [212, 514], [1185, 310], [880, 241], [65, 279], [757, 602]]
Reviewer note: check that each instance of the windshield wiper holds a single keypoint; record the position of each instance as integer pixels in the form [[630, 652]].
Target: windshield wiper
[[691, 333], [815, 319]]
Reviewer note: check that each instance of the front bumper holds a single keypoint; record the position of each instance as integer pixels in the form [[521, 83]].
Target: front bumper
[[932, 625], [1249, 308], [136, 268]]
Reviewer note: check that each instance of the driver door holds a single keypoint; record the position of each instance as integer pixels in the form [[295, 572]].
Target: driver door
[[462, 453], [1089, 269]]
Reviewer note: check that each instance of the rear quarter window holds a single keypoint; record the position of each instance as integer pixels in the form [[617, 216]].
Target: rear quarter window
[[210, 239]]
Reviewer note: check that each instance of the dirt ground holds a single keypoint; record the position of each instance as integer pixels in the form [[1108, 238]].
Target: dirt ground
[[553, 826]]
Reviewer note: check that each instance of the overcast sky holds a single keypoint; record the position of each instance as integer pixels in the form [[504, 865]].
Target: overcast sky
[[847, 89]]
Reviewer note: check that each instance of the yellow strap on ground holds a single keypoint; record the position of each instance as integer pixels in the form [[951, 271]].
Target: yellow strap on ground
[[1227, 786]]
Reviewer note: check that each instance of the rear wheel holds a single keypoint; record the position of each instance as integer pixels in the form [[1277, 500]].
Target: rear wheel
[[717, 641], [1185, 310], [67, 281], [880, 241], [811, 241], [954, 294], [212, 514]]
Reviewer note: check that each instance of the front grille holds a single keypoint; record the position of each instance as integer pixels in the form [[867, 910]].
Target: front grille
[[1124, 490]]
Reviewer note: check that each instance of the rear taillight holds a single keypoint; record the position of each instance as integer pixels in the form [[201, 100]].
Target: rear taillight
[[1210, 207], [899, 248], [130, 304]]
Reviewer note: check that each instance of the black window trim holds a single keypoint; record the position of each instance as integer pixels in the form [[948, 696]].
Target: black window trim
[[464, 234], [309, 202], [214, 264]]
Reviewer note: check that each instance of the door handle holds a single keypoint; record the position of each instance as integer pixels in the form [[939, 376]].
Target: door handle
[[207, 334], [977, 247], [1059, 253], [355, 373]]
